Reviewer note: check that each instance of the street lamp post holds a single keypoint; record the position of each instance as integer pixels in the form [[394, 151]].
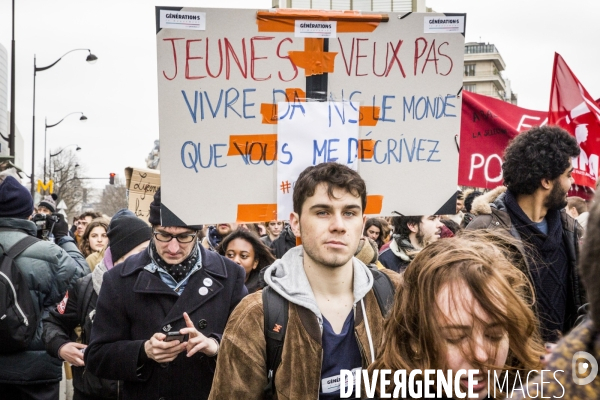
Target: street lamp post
[[11, 135], [82, 118], [91, 59]]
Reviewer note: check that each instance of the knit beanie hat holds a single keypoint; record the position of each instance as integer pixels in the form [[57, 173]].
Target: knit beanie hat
[[154, 217], [125, 233], [15, 199], [367, 250], [49, 203]]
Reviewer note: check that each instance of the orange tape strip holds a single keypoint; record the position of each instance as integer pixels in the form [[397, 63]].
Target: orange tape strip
[[295, 94], [258, 147], [348, 21], [250, 213], [313, 59], [365, 149], [374, 204], [350, 26], [269, 113], [369, 115]]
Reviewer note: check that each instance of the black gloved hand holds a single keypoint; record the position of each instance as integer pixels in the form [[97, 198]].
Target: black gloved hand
[[61, 228]]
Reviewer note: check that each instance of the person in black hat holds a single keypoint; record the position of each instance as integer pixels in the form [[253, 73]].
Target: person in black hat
[[161, 313], [128, 235], [50, 270]]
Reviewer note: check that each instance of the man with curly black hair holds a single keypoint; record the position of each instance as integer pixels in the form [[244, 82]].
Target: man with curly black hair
[[537, 173]]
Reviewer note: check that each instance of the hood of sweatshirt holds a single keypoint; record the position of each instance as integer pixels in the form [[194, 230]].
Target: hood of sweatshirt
[[287, 277]]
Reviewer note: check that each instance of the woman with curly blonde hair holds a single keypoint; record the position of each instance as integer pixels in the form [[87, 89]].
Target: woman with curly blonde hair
[[463, 305]]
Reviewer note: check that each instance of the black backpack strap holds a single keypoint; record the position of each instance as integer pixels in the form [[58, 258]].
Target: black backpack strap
[[84, 299], [21, 246], [384, 290], [275, 308]]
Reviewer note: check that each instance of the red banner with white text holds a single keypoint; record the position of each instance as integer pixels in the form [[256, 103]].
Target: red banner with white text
[[487, 125], [573, 109]]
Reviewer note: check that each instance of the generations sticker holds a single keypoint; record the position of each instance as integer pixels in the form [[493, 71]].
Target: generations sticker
[[315, 29], [445, 24], [183, 20]]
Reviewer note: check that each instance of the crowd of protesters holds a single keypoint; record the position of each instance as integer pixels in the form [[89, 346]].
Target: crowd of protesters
[[277, 309]]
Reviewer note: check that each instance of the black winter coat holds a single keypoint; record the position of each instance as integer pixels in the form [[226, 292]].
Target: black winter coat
[[388, 259], [59, 330], [49, 270], [283, 243], [134, 304]]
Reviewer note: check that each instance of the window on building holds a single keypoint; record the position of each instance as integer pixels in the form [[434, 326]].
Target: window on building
[[361, 5], [469, 69], [470, 88], [480, 48]]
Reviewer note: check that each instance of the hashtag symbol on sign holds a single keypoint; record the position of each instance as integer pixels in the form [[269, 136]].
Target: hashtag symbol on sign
[[285, 187]]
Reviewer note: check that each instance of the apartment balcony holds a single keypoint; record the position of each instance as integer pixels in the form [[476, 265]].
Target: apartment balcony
[[481, 52], [496, 79]]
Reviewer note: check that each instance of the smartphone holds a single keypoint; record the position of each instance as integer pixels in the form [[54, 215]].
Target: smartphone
[[175, 336]]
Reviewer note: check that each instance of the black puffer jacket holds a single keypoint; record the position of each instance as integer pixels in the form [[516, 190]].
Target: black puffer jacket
[[49, 271]]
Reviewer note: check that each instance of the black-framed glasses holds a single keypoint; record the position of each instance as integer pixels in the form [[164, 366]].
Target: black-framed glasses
[[181, 238]]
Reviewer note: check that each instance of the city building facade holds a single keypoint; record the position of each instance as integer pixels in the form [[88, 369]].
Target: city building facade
[[483, 68], [5, 119], [359, 5]]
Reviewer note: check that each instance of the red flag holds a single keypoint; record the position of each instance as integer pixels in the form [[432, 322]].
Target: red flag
[[573, 109], [487, 125]]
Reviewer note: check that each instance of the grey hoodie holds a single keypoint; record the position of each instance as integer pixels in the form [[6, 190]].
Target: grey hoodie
[[287, 277]]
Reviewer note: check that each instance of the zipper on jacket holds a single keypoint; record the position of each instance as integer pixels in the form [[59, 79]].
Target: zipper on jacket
[[25, 321]]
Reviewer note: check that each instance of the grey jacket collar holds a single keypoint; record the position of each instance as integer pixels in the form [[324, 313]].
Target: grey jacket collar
[[287, 277], [20, 224]]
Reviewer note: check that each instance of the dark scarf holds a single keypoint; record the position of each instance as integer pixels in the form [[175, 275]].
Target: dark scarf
[[548, 265], [213, 237], [177, 271], [405, 246]]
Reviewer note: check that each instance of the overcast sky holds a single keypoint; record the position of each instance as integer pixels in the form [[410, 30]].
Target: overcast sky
[[118, 94]]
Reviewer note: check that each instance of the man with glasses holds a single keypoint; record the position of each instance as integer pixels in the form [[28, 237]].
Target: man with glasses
[[161, 313], [82, 223]]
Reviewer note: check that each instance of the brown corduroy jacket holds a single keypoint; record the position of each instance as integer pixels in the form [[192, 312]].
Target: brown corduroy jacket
[[241, 367]]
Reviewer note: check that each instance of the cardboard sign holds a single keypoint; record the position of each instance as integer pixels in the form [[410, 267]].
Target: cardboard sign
[[219, 121], [141, 184]]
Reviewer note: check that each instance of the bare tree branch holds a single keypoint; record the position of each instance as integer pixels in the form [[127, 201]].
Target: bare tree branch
[[67, 186], [113, 198]]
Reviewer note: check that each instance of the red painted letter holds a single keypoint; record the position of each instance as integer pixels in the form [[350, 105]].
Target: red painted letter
[[252, 57], [291, 62], [174, 57], [188, 58]]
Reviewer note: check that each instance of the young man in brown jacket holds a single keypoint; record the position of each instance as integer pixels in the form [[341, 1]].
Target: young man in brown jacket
[[334, 320]]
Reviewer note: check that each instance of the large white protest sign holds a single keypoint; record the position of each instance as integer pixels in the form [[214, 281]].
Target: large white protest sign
[[220, 127], [332, 135]]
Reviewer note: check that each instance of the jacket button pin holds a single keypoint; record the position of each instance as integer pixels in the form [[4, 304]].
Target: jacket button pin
[[167, 328], [207, 282], [202, 324], [203, 291]]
